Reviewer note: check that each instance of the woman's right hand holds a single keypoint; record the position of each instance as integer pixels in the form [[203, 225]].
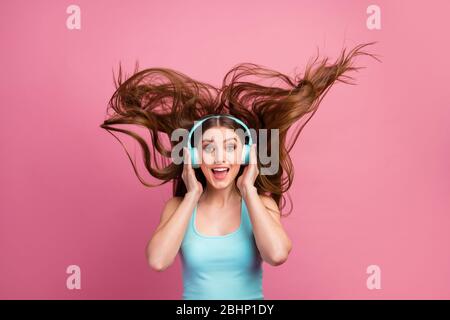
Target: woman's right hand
[[193, 186]]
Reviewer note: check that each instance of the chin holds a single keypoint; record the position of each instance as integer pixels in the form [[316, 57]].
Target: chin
[[218, 186]]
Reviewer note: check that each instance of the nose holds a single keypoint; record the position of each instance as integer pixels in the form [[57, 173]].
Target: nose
[[218, 156]]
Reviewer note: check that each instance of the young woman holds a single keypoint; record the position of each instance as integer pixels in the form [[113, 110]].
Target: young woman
[[224, 218]]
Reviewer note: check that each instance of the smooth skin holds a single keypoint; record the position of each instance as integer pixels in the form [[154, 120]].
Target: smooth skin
[[218, 211]]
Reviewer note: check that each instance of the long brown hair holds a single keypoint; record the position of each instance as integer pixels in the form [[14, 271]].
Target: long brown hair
[[162, 100]]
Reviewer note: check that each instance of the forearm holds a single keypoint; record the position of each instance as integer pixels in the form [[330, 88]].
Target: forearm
[[166, 241], [272, 241]]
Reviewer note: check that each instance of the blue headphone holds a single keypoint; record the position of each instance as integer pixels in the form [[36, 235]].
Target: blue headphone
[[245, 151]]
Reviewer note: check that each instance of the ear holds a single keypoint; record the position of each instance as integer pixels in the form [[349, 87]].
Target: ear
[[246, 154], [194, 157]]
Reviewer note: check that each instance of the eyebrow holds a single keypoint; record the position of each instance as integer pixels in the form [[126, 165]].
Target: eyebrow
[[210, 140]]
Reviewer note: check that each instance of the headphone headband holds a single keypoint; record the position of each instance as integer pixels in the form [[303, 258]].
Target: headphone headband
[[250, 142]]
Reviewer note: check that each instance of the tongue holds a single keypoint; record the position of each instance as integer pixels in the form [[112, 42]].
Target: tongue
[[220, 174]]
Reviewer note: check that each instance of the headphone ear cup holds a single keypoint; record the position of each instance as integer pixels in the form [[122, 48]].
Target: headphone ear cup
[[194, 157], [246, 154]]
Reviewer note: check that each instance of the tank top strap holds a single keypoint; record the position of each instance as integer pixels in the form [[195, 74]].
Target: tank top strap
[[247, 223], [189, 234]]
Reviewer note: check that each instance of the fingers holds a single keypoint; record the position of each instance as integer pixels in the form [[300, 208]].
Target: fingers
[[253, 154], [186, 158], [187, 162], [253, 160], [188, 175]]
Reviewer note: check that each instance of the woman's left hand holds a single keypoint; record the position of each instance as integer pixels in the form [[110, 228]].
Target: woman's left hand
[[248, 177]]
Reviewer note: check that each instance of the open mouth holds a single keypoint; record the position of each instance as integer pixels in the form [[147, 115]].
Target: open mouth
[[220, 173]]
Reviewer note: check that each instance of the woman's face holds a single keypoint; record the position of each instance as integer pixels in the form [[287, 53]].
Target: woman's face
[[220, 148]]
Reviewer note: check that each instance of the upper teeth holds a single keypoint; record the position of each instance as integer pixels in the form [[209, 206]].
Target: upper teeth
[[220, 169]]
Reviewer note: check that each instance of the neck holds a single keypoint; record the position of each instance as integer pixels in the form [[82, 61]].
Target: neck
[[220, 197]]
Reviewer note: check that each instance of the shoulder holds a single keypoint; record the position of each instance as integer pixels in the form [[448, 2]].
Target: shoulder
[[173, 201], [270, 203], [169, 207]]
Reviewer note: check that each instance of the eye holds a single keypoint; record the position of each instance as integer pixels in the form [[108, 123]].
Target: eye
[[231, 147], [208, 148]]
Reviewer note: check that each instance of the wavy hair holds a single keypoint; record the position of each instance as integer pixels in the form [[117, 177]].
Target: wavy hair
[[162, 100]]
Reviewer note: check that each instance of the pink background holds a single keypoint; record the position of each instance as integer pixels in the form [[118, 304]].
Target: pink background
[[372, 174]]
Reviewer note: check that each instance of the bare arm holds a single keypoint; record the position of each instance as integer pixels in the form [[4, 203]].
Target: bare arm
[[272, 240], [166, 240]]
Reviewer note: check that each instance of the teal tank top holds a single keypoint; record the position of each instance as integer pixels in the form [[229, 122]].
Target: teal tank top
[[221, 267]]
